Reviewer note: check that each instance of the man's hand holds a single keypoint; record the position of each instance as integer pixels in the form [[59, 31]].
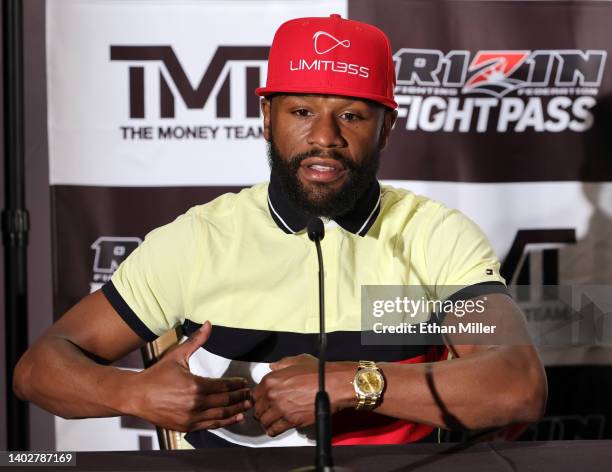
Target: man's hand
[[171, 396], [284, 398], [56, 374]]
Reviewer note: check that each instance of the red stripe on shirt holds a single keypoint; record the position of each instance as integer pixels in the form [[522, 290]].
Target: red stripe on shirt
[[352, 427]]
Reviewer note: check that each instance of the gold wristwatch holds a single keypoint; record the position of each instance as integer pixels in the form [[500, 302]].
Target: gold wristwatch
[[369, 384]]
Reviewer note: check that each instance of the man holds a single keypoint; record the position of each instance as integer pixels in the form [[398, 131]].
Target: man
[[239, 275]]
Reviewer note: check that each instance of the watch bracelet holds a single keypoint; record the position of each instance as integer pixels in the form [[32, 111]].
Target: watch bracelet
[[363, 402]]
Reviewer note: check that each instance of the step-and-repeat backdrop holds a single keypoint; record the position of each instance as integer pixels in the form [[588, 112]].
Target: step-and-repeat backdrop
[[505, 112]]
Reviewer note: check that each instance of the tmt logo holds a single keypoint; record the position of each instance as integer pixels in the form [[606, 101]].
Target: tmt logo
[[227, 62]]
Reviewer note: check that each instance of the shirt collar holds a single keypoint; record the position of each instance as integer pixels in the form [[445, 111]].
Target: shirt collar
[[292, 220]]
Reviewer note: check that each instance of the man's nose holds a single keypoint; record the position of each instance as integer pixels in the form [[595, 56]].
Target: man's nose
[[325, 132]]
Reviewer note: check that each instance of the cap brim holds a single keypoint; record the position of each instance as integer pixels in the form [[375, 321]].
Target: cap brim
[[265, 91]]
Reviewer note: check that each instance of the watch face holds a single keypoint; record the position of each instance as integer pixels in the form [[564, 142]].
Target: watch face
[[369, 382]]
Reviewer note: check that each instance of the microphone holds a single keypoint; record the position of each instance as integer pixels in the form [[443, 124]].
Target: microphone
[[323, 460], [316, 232]]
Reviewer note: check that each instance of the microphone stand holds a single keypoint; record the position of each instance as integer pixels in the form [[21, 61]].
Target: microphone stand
[[323, 460]]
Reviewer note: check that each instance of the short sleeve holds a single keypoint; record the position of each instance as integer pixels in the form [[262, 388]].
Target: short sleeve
[[150, 288], [458, 254]]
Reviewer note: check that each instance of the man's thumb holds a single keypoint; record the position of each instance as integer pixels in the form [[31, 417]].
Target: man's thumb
[[195, 341]]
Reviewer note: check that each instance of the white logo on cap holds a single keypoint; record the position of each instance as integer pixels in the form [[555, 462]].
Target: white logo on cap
[[345, 43]]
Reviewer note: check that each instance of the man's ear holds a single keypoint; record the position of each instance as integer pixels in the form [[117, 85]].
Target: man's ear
[[388, 122], [266, 110]]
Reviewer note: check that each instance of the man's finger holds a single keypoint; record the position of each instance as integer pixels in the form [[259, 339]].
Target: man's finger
[[214, 424], [284, 362], [258, 392], [227, 398], [291, 360], [278, 427], [269, 417], [224, 384], [222, 412], [261, 406], [193, 342]]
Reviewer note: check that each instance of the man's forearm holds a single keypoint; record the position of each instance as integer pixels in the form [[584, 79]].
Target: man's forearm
[[56, 375], [495, 387]]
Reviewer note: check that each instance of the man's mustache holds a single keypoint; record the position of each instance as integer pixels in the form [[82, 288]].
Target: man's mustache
[[335, 155]]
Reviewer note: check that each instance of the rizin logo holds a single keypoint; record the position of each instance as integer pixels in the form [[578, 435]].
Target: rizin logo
[[110, 252], [492, 71], [541, 90], [329, 41]]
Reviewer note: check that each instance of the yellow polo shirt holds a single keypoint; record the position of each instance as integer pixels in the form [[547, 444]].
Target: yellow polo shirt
[[242, 262]]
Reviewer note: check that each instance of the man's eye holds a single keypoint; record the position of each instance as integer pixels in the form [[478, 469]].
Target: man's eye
[[349, 116], [302, 112]]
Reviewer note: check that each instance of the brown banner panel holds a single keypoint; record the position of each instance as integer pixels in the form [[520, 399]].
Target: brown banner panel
[[498, 91]]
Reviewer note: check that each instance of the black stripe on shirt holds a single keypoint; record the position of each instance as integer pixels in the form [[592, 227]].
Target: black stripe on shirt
[[203, 439], [251, 345], [472, 291], [128, 315], [477, 290]]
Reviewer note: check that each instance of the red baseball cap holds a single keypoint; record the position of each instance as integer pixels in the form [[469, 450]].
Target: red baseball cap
[[331, 56]]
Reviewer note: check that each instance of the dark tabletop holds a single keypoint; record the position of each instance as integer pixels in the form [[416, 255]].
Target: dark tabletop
[[558, 456]]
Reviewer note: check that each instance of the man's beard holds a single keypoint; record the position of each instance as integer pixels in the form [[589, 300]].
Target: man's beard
[[318, 200]]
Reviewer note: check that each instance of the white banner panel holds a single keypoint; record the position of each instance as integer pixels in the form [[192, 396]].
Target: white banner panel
[[503, 209], [157, 93], [482, 203], [162, 90], [100, 434]]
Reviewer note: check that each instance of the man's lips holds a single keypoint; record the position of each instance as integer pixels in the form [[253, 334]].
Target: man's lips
[[321, 169]]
